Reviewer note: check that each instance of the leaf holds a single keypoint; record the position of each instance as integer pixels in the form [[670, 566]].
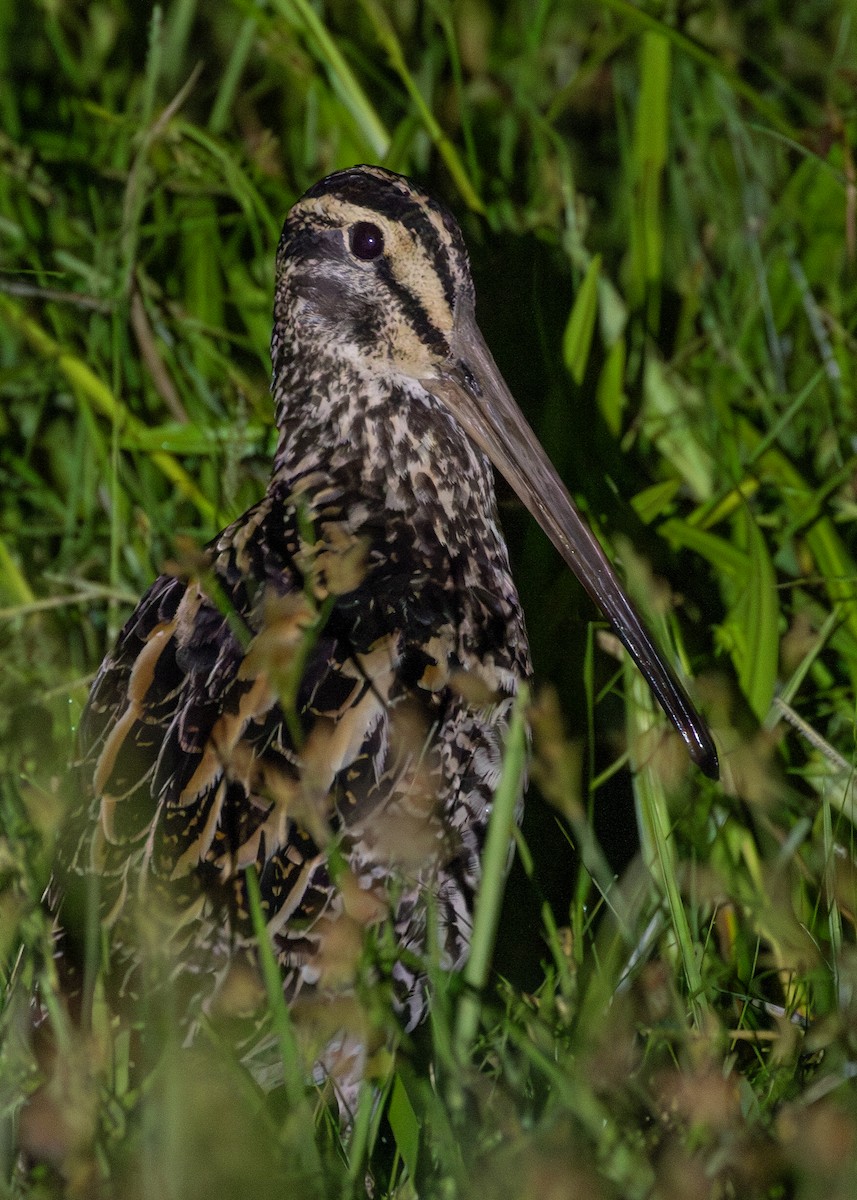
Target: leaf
[[611, 393], [672, 416], [751, 631], [651, 136], [405, 1126], [388, 38], [655, 501], [835, 565], [577, 338], [722, 555], [191, 438], [93, 391], [342, 79]]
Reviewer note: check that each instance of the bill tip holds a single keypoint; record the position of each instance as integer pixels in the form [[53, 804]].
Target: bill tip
[[704, 754]]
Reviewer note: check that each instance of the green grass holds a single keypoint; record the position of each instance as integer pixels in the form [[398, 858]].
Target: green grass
[[660, 208]]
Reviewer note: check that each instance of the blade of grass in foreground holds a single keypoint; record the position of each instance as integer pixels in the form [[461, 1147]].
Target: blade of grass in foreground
[[657, 845], [292, 1070], [293, 1073], [494, 862]]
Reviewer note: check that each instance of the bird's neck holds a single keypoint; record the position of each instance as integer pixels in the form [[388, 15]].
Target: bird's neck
[[384, 458], [393, 449]]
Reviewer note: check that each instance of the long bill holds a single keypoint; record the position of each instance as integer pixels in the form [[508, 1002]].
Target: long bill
[[477, 395]]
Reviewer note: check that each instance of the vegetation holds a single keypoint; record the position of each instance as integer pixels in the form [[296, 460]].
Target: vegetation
[[660, 203]]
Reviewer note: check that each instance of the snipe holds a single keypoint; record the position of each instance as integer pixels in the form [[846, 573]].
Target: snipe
[[325, 698]]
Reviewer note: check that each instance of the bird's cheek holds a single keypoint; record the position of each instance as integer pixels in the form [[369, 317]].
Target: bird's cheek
[[409, 354]]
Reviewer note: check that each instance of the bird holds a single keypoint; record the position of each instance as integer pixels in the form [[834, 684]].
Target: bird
[[321, 695]]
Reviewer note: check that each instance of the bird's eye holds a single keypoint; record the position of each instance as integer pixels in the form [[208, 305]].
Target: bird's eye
[[366, 240]]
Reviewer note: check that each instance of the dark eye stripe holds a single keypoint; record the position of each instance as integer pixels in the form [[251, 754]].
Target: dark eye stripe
[[414, 310], [422, 225]]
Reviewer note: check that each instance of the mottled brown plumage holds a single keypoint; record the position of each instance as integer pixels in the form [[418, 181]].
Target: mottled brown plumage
[[325, 698]]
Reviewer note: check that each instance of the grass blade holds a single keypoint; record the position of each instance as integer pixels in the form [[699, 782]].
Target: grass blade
[[577, 339], [494, 862], [342, 77], [86, 385], [387, 37]]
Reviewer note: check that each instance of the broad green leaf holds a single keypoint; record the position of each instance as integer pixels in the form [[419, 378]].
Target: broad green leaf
[[651, 136], [405, 1126], [577, 338], [14, 585], [670, 413], [611, 393], [654, 501], [716, 550], [195, 439], [751, 630]]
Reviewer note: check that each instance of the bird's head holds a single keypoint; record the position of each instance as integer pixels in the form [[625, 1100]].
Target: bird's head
[[373, 270], [373, 276]]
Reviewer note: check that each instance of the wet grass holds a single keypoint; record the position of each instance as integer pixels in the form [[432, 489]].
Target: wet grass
[[661, 214]]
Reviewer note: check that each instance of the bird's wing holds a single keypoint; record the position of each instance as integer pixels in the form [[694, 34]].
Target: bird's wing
[[244, 717]]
